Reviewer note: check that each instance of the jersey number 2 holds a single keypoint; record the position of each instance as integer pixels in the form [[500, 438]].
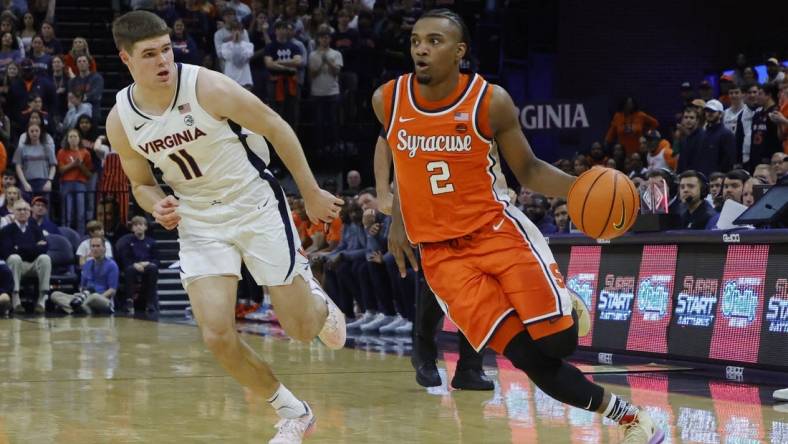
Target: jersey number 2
[[182, 161], [440, 170]]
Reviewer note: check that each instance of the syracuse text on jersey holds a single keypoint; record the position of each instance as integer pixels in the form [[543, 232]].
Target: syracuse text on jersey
[[412, 144]]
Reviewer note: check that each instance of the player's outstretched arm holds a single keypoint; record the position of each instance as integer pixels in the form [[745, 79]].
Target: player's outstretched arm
[[226, 99], [530, 171], [146, 190]]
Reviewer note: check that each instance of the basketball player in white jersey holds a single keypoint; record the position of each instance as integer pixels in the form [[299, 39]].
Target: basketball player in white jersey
[[204, 131]]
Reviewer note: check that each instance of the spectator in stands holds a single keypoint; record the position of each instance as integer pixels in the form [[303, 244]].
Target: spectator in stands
[[41, 59], [9, 180], [345, 40], [565, 165], [596, 156], [75, 166], [225, 34], [731, 116], [5, 128], [325, 65], [290, 15], [36, 105], [51, 43], [260, 38], [184, 47], [660, 154], [89, 85], [765, 141], [765, 173], [773, 72], [340, 281], [282, 58], [689, 140], [536, 210], [8, 24], [581, 165], [60, 77], [719, 145], [747, 196], [236, 54], [26, 84], [140, 261], [733, 185], [715, 187], [6, 288], [744, 123], [84, 252], [779, 163], [628, 125], [94, 143], [353, 180], [3, 158], [25, 251], [11, 194], [39, 210], [561, 216], [97, 287], [35, 163], [634, 166], [696, 211], [395, 46], [76, 109], [28, 31], [705, 91], [79, 47], [242, 10], [9, 52]]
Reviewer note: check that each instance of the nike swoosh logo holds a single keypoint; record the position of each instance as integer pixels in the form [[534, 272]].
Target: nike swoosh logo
[[405, 119], [620, 223], [136, 128], [588, 407], [497, 226]]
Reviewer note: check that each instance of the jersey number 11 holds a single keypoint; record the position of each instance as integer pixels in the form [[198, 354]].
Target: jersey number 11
[[182, 161]]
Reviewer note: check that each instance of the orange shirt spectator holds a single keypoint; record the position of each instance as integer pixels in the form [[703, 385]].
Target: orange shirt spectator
[[66, 156], [334, 232], [3, 162], [628, 125]]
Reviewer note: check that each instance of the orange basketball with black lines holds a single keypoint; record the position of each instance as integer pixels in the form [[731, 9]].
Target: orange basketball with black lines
[[603, 203]]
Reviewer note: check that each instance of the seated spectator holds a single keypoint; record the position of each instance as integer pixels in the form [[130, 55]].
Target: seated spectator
[[696, 211], [51, 43], [715, 187], [341, 282], [35, 163], [88, 86], [76, 109], [634, 166], [628, 124], [40, 211], [660, 154], [10, 195], [581, 165], [95, 229], [9, 180], [97, 286], [561, 216], [9, 52], [5, 127], [353, 180], [765, 173], [79, 47], [6, 288], [324, 67], [536, 211], [236, 54], [596, 156], [140, 262], [732, 189], [565, 165], [25, 251], [523, 198], [747, 196], [75, 167]]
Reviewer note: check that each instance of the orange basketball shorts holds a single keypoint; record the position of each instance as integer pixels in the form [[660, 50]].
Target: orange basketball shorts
[[497, 281]]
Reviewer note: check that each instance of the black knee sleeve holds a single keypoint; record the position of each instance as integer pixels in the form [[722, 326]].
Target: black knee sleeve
[[561, 344], [560, 380]]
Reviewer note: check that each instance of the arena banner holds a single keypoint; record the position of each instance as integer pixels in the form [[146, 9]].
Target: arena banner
[[582, 277], [559, 128], [774, 328], [618, 273], [653, 295]]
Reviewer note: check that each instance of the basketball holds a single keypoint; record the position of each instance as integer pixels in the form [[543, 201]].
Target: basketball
[[603, 203]]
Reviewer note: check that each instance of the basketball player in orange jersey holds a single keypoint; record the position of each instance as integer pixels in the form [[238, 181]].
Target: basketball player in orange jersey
[[489, 267]]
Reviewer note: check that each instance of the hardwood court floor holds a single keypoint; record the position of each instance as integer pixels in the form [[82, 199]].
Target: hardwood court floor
[[121, 380]]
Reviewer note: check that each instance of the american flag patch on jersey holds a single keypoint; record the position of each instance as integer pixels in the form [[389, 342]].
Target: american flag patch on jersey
[[461, 117], [185, 108]]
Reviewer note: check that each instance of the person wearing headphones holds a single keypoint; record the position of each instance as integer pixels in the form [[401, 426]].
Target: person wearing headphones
[[696, 213]]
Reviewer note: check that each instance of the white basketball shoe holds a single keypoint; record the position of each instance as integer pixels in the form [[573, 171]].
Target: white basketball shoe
[[334, 331], [293, 431]]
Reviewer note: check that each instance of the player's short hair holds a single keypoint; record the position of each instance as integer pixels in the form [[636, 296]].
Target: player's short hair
[[136, 26], [454, 18]]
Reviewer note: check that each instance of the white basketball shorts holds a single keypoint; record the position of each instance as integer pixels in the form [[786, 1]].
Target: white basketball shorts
[[255, 227]]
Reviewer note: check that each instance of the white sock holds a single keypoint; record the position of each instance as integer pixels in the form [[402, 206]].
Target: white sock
[[286, 404], [620, 410]]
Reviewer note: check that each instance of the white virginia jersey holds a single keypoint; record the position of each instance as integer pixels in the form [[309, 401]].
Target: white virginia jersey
[[203, 159]]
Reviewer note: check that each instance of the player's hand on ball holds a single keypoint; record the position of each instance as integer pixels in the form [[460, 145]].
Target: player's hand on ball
[[165, 212], [322, 206], [400, 247]]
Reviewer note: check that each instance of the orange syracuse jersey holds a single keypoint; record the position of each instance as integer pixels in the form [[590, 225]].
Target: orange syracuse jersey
[[445, 161]]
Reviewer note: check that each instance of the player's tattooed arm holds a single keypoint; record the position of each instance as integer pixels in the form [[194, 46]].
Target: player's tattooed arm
[[530, 171]]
